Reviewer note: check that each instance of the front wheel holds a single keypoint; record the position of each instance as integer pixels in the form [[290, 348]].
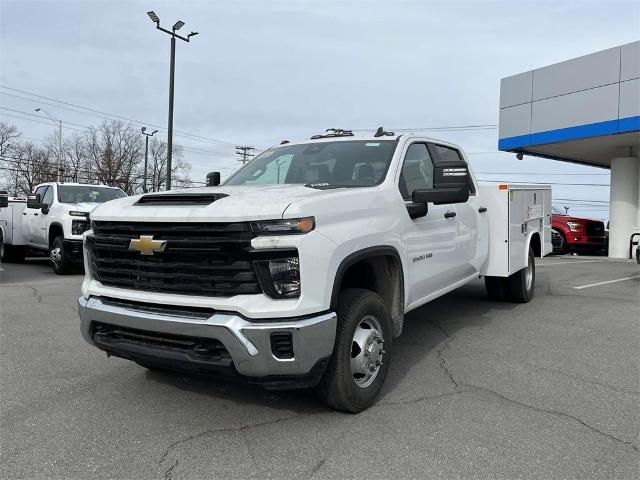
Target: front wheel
[[361, 352], [61, 264], [520, 287]]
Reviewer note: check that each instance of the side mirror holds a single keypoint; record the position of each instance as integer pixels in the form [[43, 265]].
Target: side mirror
[[44, 209], [33, 201], [450, 184], [441, 196], [213, 179], [4, 199]]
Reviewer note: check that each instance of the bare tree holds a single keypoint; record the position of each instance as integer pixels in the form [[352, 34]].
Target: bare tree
[[157, 169], [114, 151], [77, 167], [29, 165], [9, 135]]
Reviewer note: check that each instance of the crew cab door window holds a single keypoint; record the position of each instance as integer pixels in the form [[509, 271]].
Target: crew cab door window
[[47, 198], [417, 170]]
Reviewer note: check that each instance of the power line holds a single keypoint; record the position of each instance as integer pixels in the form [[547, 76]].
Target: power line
[[113, 115]]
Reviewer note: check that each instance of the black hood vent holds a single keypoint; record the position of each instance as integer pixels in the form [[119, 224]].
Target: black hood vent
[[179, 199]]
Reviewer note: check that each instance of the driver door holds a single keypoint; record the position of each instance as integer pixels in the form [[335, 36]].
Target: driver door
[[431, 243], [36, 220]]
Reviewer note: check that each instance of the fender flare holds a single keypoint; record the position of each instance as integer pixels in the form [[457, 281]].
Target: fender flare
[[357, 256], [51, 225]]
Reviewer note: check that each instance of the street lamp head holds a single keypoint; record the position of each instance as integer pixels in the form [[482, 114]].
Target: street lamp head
[[192, 34], [37, 109], [143, 129], [154, 18], [179, 24]]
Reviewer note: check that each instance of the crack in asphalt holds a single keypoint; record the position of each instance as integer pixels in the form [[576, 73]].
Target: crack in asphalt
[[423, 398], [554, 412], [36, 293], [169, 473], [445, 368], [210, 431]]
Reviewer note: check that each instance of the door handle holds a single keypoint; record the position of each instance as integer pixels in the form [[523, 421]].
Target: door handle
[[482, 209], [36, 214], [24, 213], [449, 214]]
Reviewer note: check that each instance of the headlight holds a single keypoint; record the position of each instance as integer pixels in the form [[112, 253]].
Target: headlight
[[79, 214], [78, 227], [280, 278], [574, 226], [279, 227]]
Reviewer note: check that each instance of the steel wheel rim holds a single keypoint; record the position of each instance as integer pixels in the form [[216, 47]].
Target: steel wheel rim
[[56, 256], [529, 274], [367, 351]]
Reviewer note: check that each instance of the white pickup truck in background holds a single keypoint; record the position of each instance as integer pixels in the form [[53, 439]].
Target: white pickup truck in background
[[53, 220], [299, 269]]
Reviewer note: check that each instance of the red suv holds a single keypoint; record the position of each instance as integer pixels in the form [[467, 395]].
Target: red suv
[[573, 234]]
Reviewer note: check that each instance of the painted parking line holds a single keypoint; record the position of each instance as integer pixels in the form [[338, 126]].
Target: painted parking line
[[608, 281], [568, 262]]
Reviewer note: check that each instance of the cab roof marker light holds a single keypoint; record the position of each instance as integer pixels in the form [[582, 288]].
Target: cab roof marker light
[[503, 187]]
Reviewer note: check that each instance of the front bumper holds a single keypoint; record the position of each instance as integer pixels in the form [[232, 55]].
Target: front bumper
[[73, 250], [249, 344]]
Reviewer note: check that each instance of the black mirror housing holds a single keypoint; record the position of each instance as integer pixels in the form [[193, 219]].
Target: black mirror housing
[[33, 201], [441, 196], [4, 199], [213, 179], [450, 184]]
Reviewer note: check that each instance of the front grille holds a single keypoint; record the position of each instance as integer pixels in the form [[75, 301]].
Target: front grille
[[115, 335], [595, 229], [212, 259]]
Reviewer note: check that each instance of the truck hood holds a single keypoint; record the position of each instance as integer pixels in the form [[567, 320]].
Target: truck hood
[[240, 203], [81, 207]]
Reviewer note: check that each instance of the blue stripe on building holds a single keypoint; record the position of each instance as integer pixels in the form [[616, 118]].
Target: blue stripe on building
[[610, 127]]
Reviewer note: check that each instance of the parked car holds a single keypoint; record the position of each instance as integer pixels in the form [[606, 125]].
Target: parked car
[[298, 271], [52, 221], [577, 235]]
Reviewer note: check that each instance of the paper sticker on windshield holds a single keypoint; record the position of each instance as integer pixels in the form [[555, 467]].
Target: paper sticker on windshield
[[372, 144], [267, 154], [93, 195]]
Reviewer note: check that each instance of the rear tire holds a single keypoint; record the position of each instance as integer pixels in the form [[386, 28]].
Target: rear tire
[[11, 253], [361, 353], [520, 287], [61, 264]]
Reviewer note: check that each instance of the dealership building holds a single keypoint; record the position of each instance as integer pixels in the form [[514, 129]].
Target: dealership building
[[586, 111]]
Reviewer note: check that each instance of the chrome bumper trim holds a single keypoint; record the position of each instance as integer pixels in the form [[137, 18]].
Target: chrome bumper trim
[[248, 343]]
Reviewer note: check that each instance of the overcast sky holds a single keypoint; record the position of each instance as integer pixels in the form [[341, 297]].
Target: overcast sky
[[262, 71]]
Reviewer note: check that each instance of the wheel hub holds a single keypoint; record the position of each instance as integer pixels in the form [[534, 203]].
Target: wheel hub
[[367, 351], [56, 257]]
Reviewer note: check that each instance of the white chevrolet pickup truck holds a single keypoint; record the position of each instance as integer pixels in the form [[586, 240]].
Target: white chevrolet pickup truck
[[299, 269], [52, 221]]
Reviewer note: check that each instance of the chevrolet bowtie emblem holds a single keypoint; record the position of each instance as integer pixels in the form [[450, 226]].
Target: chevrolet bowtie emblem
[[146, 245]]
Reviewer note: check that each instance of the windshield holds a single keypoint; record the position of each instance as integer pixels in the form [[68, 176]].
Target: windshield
[[87, 194], [557, 211], [356, 163]]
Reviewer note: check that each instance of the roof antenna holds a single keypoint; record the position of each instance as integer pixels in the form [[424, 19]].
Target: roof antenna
[[379, 132]]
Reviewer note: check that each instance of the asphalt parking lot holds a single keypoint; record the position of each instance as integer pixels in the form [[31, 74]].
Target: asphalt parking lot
[[477, 389]]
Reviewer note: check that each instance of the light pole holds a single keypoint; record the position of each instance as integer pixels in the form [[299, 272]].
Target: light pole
[[146, 154], [59, 122], [177, 26]]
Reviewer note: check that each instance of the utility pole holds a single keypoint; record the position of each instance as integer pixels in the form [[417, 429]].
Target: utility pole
[[146, 155], [245, 153], [60, 162], [172, 69]]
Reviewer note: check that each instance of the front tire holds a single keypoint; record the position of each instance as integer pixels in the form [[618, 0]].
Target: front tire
[[61, 264], [520, 287], [361, 353]]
